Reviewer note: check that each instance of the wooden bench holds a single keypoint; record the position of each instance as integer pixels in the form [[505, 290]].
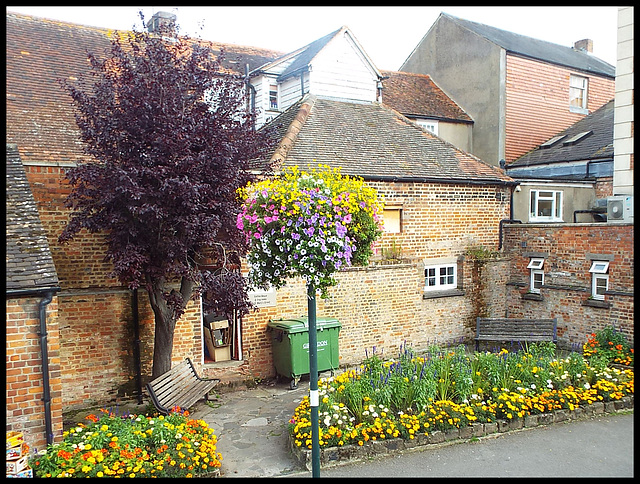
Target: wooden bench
[[179, 387], [516, 330]]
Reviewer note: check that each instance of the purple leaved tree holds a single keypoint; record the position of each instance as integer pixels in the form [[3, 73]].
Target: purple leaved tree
[[170, 141]]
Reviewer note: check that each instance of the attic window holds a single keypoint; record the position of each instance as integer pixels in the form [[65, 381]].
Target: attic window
[[574, 139], [552, 141], [273, 97]]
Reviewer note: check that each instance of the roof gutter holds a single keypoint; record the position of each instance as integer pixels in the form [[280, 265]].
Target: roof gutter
[[418, 179]]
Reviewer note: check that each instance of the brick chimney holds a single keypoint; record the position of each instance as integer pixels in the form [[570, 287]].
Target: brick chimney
[[162, 21], [585, 45]]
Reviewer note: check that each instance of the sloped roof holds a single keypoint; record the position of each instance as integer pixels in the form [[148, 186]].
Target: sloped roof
[[374, 142], [39, 52], [29, 262], [596, 142], [538, 49], [417, 95]]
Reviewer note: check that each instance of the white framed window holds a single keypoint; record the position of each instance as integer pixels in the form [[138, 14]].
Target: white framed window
[[273, 97], [392, 217], [599, 278], [578, 93], [545, 206], [440, 277], [536, 278], [428, 124]]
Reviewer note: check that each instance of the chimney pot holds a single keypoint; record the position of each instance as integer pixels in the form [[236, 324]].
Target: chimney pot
[[584, 45]]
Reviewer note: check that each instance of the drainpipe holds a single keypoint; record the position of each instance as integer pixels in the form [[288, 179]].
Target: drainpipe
[[46, 389], [136, 344]]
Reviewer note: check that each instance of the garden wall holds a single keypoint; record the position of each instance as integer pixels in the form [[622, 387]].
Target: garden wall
[[568, 250]]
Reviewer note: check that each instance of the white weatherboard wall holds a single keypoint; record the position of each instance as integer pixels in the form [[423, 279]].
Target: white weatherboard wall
[[340, 70]]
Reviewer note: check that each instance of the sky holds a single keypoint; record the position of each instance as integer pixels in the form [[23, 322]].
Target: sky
[[387, 34]]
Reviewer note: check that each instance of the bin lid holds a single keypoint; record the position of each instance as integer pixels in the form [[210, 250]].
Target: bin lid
[[301, 324]]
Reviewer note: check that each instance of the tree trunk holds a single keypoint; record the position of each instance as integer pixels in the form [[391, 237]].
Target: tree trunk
[[165, 319]]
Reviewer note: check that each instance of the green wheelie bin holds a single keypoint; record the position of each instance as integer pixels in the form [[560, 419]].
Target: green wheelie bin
[[290, 344]]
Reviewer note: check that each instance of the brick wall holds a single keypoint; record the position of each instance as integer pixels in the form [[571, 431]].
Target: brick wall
[[537, 102], [567, 284], [24, 378], [383, 305]]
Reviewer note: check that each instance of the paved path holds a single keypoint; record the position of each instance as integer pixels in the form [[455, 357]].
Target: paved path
[[251, 426]]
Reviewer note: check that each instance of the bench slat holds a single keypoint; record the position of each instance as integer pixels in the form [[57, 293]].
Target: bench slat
[[180, 386]]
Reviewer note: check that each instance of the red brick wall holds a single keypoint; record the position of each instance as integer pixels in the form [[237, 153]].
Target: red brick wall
[[94, 310], [537, 104], [567, 288], [24, 378]]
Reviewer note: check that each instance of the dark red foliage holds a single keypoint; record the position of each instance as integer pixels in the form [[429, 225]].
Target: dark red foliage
[[170, 141]]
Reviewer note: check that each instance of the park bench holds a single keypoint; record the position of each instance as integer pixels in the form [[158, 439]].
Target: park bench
[[516, 330], [179, 387]]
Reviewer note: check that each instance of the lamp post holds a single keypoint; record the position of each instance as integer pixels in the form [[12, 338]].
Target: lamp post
[[313, 380]]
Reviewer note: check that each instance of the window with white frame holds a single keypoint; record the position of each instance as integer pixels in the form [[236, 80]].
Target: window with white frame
[[440, 277], [428, 124], [545, 206], [536, 278], [599, 278], [273, 97], [578, 93]]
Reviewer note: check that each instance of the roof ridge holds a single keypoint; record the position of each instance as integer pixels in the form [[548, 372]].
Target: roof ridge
[[290, 136]]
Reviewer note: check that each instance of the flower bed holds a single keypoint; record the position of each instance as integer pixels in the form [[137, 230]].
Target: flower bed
[[446, 394], [132, 446]]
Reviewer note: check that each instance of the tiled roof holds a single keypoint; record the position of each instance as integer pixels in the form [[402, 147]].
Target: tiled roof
[[596, 144], [29, 262], [374, 142], [39, 116], [538, 49], [417, 95]]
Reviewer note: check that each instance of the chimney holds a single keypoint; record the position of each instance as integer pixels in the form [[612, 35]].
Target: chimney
[[585, 45], [162, 22]]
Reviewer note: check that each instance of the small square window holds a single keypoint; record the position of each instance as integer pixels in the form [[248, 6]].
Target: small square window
[[392, 217], [599, 267], [440, 277], [536, 263]]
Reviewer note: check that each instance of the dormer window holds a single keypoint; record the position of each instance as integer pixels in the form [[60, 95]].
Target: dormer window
[[273, 97]]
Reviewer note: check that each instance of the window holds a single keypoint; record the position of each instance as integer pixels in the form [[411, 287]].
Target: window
[[428, 124], [392, 217], [578, 93], [545, 206], [599, 278], [536, 279], [273, 97], [440, 277]]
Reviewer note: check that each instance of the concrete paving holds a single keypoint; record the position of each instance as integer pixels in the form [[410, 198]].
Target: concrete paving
[[251, 426]]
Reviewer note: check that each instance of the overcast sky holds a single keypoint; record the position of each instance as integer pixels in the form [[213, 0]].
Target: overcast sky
[[387, 34]]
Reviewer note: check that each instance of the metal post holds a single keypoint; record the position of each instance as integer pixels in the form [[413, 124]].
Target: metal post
[[313, 381]]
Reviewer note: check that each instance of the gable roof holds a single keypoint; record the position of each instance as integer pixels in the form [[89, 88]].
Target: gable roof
[[29, 263], [374, 142], [537, 49], [39, 52], [589, 139], [416, 95], [294, 62]]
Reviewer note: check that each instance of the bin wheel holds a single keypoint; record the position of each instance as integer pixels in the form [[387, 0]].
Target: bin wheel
[[294, 383]]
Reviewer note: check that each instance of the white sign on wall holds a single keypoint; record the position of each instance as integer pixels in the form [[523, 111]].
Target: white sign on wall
[[261, 298]]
